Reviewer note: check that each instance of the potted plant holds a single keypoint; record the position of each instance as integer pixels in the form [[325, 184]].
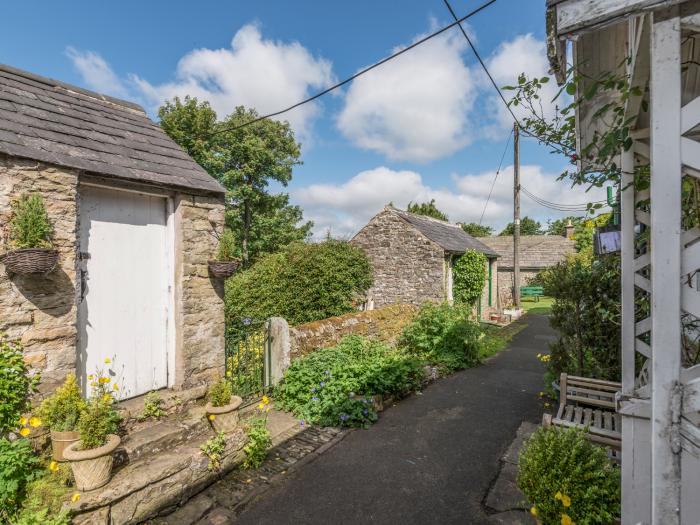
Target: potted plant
[[226, 263], [222, 407], [91, 456], [29, 236], [61, 412]]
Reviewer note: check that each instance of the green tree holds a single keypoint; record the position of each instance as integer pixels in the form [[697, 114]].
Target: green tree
[[528, 226], [477, 230], [427, 208], [246, 161], [558, 226]]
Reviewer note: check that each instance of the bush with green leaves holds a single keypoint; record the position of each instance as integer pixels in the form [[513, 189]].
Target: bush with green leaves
[[45, 498], [469, 275], [61, 410], [16, 384], [98, 420], [259, 442], [214, 448], [334, 386], [444, 336], [227, 246], [302, 283], [152, 406], [562, 474], [18, 467], [220, 393], [29, 225]]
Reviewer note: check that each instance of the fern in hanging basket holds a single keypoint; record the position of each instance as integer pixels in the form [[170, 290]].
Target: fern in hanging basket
[[29, 237], [226, 262]]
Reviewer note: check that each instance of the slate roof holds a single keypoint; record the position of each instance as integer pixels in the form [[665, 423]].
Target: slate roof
[[47, 120], [536, 251], [450, 237]]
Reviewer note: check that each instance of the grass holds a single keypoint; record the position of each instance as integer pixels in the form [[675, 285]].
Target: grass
[[543, 306], [496, 338]]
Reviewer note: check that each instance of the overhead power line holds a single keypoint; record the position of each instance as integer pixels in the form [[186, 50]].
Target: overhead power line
[[493, 183], [361, 72], [559, 206]]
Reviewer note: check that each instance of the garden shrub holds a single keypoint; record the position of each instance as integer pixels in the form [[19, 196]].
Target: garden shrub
[[45, 497], [152, 406], [302, 283], [259, 442], [220, 393], [333, 386], [15, 384], [99, 418], [444, 336], [29, 225], [469, 274], [18, 466], [61, 410], [227, 246], [213, 449], [562, 474]]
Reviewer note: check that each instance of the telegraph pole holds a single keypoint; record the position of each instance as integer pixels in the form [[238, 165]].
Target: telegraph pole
[[516, 216]]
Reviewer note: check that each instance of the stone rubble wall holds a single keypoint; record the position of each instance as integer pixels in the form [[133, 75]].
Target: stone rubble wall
[[408, 267], [41, 310], [505, 284], [385, 324]]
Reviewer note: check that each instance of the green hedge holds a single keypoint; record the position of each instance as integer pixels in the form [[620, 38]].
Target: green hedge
[[302, 283]]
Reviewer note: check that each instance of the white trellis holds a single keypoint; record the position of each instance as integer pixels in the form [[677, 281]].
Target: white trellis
[[660, 398]]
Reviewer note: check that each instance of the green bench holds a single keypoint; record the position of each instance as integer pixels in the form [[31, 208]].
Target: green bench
[[532, 291]]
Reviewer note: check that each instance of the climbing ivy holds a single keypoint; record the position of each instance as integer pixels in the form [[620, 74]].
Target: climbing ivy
[[468, 275]]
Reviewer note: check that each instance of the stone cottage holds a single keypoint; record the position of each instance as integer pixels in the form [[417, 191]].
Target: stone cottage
[[135, 220], [537, 252], [412, 257]]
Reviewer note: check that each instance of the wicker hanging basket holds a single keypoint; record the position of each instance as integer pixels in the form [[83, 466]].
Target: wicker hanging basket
[[223, 269], [30, 260]]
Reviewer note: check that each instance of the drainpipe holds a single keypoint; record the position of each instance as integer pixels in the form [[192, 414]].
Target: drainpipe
[[614, 203], [490, 262]]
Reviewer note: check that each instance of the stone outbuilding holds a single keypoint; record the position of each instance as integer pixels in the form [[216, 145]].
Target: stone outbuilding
[[412, 256], [537, 252], [135, 221]]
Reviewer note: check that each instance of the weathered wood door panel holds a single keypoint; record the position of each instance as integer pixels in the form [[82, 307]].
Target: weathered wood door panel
[[125, 287]]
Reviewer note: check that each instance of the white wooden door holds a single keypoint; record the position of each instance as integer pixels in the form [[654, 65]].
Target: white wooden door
[[125, 290]]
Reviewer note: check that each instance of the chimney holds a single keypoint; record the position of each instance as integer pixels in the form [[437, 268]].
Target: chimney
[[569, 230]]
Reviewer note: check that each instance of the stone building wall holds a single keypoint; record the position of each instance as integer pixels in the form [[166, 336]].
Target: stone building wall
[[408, 267], [505, 284], [41, 310], [485, 308], [385, 324]]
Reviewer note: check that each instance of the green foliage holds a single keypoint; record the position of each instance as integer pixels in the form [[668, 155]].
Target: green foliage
[[586, 312], [45, 497], [558, 226], [444, 336], [559, 466], [15, 384], [427, 208], [227, 246], [584, 230], [98, 420], [333, 386], [152, 406], [303, 282], [528, 226], [43, 517], [259, 442], [245, 161], [61, 410], [477, 230], [214, 448], [469, 276], [29, 225], [220, 393], [18, 466]]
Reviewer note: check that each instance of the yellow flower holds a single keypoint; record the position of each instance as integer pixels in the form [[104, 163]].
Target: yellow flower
[[566, 500], [533, 511], [115, 386], [107, 397], [541, 394], [93, 384], [23, 421], [34, 421], [266, 400], [107, 360], [566, 520], [91, 377], [24, 432], [53, 466], [547, 405], [267, 409], [212, 417], [557, 495], [104, 380], [261, 406], [75, 497]]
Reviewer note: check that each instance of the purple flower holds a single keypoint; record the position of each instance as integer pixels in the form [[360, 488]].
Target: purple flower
[[365, 411], [301, 422], [328, 372], [313, 389], [364, 401], [314, 398], [344, 417], [247, 321], [322, 383]]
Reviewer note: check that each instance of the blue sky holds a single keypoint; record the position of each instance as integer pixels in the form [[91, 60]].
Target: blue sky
[[427, 126]]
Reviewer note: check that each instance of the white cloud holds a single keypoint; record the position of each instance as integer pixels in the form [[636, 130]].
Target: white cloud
[[415, 107], [345, 208], [96, 72], [254, 72]]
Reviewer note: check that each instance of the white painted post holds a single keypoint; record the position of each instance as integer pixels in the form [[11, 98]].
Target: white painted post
[[627, 227], [665, 88]]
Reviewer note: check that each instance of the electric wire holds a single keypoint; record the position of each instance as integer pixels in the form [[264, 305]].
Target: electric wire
[[493, 183], [559, 206], [359, 73]]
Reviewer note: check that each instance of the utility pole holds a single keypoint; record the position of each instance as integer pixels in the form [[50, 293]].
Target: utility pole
[[516, 216]]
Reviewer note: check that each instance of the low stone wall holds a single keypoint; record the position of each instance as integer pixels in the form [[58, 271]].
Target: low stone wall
[[384, 324]]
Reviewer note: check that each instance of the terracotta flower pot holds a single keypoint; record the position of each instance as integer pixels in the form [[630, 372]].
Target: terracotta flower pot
[[92, 468], [225, 418], [60, 441]]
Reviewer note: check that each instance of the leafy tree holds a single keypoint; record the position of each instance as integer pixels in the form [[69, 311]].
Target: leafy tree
[[558, 226], [528, 226], [477, 230], [427, 208], [246, 161]]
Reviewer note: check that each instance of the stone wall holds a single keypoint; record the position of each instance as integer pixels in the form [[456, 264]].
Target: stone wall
[[40, 310], [408, 267], [505, 284], [200, 315], [385, 324]]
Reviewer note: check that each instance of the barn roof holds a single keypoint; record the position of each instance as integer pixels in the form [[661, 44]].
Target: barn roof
[[450, 237], [47, 120], [536, 251]]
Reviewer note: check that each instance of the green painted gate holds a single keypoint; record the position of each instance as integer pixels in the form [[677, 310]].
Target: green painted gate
[[248, 358]]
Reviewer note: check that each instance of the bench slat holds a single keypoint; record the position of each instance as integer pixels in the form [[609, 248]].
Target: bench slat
[[587, 414], [569, 413], [590, 401], [601, 382], [574, 390], [591, 430], [607, 421], [598, 418], [578, 415]]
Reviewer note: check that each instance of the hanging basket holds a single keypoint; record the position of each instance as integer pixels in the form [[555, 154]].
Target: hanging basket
[[30, 260], [223, 269]]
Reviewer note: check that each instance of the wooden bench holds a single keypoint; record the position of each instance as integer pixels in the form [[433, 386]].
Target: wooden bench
[[532, 291], [588, 404]]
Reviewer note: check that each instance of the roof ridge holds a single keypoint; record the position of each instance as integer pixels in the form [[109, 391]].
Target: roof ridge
[[446, 223], [71, 87]]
